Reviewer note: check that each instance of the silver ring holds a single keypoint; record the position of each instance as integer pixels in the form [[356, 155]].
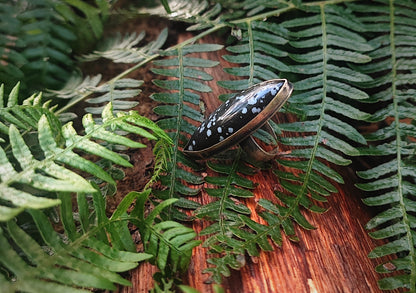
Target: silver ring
[[256, 152]]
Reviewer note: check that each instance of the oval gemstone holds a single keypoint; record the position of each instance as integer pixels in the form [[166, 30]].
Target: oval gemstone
[[238, 117]]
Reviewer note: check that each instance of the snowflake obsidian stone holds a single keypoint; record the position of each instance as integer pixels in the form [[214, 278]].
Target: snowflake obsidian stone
[[238, 118]]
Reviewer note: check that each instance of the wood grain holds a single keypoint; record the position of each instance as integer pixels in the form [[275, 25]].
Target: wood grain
[[332, 258]]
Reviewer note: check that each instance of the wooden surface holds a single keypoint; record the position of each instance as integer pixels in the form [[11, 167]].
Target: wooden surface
[[332, 258]]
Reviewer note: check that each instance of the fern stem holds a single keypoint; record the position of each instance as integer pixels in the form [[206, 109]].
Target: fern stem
[[222, 223], [324, 93], [174, 160], [251, 46], [406, 220]]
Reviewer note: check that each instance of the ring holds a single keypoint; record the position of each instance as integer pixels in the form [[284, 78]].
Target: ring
[[237, 119]]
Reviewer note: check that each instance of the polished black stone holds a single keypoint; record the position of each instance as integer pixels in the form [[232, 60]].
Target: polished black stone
[[227, 119]]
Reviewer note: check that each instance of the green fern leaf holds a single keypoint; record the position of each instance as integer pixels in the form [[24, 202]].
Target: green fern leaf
[[11, 56], [228, 214], [81, 262], [123, 49], [392, 181], [72, 261], [169, 242], [47, 46], [25, 116], [258, 49], [90, 16], [119, 92], [41, 168], [40, 37], [59, 179], [186, 78], [322, 90], [92, 249]]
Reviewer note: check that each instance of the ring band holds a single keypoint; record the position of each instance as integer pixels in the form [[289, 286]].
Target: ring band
[[257, 153]]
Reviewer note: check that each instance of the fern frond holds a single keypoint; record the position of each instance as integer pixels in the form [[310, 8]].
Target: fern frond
[[38, 39], [324, 96], [162, 152], [118, 92], [75, 86], [90, 252], [392, 183], [182, 11], [11, 47], [169, 242], [26, 115], [85, 19], [93, 248], [68, 262], [184, 84], [42, 168], [228, 214], [200, 13], [123, 49], [47, 46]]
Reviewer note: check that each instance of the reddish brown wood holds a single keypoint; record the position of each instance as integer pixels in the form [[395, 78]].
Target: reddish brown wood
[[332, 258]]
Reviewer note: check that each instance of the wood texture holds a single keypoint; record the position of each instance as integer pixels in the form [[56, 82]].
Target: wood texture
[[332, 258]]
